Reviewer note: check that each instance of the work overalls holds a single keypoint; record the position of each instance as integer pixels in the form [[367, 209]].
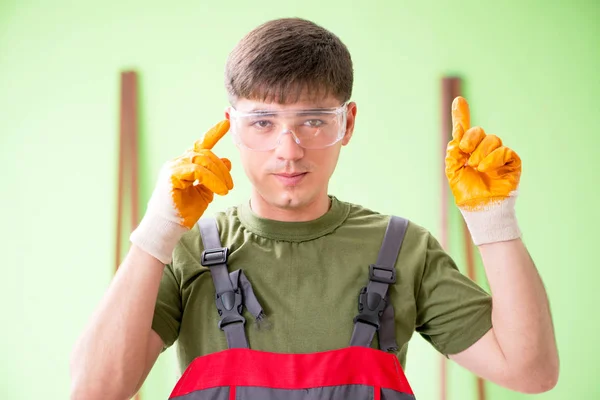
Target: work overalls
[[355, 372]]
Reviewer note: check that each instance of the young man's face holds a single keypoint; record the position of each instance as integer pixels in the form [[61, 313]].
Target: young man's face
[[289, 176]]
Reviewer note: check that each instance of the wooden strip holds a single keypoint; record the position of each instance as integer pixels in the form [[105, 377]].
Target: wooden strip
[[121, 174], [128, 159], [480, 389], [451, 88], [133, 150]]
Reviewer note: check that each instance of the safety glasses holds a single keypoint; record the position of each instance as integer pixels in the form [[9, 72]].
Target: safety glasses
[[310, 128]]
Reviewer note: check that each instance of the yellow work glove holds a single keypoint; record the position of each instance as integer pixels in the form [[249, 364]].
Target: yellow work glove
[[185, 187], [484, 176]]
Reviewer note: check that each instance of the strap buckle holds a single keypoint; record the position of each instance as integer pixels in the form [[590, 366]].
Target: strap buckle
[[214, 256], [389, 276], [370, 308], [229, 306]]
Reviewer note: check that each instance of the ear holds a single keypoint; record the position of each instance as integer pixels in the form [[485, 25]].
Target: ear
[[227, 113], [350, 119]]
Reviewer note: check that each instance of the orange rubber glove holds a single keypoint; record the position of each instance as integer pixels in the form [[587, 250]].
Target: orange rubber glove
[[185, 187], [484, 177]]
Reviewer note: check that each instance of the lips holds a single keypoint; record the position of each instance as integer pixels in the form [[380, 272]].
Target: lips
[[291, 179]]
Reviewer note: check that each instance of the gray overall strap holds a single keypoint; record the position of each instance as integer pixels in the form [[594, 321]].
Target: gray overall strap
[[239, 280], [387, 329], [229, 298], [372, 302]]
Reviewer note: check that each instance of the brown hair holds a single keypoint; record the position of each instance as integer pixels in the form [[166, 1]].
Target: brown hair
[[283, 58]]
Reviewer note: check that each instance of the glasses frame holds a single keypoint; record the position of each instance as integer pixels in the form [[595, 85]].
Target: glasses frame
[[342, 109]]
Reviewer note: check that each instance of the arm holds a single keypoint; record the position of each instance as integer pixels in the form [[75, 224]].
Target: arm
[[118, 347], [520, 351]]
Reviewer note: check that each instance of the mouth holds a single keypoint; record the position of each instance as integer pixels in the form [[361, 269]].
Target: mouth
[[291, 179]]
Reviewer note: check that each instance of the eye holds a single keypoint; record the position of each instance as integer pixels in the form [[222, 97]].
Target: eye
[[261, 124], [314, 123]]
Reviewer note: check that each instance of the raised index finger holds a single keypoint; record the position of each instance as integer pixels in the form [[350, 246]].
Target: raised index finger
[[460, 115], [211, 137]]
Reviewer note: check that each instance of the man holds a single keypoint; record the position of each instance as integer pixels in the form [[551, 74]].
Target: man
[[306, 253]]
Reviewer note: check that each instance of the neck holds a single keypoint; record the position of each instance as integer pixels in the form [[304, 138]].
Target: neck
[[307, 212]]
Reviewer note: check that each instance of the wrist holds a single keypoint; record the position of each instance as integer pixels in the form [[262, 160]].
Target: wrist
[[157, 236], [496, 222]]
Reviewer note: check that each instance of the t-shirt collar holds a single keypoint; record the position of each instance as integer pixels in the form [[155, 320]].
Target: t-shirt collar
[[295, 231]]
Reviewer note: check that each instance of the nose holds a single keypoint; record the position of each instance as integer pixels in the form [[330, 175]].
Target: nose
[[288, 149]]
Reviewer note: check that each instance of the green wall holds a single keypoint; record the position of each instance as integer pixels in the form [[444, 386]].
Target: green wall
[[532, 76]]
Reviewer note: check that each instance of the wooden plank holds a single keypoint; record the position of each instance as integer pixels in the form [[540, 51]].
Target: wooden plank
[[128, 162], [451, 88]]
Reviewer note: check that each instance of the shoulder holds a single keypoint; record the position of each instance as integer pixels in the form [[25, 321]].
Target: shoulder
[[187, 254], [363, 218], [190, 245]]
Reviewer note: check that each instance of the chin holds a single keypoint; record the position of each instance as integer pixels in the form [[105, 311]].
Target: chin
[[291, 200], [283, 196]]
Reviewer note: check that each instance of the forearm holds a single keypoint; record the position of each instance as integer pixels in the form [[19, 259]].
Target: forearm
[[521, 314], [109, 357]]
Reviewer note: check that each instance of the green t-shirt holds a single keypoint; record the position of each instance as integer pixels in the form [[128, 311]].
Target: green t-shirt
[[307, 277]]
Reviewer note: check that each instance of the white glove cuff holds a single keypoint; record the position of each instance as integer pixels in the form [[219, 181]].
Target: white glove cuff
[[157, 236], [496, 222]]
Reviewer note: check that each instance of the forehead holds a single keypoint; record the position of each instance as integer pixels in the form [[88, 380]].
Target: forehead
[[303, 102]]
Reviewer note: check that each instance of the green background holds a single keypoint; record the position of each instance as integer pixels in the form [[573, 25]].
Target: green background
[[532, 76]]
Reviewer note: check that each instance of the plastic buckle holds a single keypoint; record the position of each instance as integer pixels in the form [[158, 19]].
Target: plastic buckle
[[214, 256], [230, 306], [373, 268], [370, 308]]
